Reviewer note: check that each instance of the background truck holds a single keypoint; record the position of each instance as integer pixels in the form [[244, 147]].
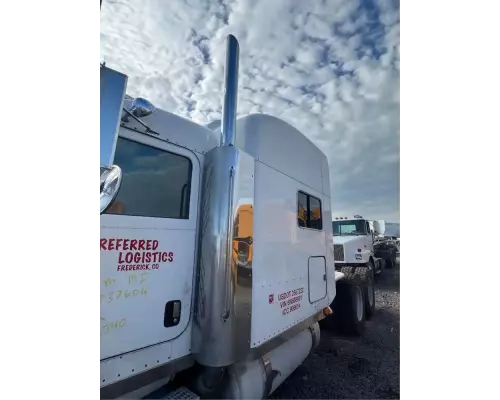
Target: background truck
[[184, 210], [386, 239], [389, 229], [357, 242], [357, 250]]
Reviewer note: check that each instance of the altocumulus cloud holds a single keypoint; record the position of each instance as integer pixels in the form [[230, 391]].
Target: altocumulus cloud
[[330, 68]]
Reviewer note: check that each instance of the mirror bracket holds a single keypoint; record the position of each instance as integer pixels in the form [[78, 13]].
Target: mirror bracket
[[113, 85]]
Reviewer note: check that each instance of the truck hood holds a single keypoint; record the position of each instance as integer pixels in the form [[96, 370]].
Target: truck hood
[[351, 245], [348, 239]]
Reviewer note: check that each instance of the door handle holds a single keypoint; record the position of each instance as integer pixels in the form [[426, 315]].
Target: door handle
[[172, 314]]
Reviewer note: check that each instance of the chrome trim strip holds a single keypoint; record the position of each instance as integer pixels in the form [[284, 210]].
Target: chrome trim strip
[[228, 252], [135, 382]]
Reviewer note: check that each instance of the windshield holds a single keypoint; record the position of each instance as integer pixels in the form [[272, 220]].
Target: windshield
[[349, 228]]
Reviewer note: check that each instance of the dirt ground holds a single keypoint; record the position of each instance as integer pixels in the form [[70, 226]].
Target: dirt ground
[[360, 368]]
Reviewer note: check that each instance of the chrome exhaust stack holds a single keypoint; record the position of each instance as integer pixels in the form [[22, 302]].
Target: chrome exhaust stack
[[222, 324], [230, 102]]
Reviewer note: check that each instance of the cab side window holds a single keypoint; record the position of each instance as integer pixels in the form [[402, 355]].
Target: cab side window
[[309, 214], [156, 183], [302, 210]]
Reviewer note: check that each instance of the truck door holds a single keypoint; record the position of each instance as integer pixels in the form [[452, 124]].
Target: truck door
[[147, 246]]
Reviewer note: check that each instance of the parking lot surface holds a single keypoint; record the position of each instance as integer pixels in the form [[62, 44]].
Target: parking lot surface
[[359, 368]]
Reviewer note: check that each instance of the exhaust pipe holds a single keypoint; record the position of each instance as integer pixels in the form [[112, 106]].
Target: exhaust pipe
[[228, 127]]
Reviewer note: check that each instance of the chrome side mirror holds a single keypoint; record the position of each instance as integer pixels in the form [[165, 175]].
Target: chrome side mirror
[[141, 108], [111, 179]]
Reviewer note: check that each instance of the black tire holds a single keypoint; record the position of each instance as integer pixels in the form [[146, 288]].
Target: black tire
[[392, 260], [358, 274], [382, 266], [349, 306], [366, 277], [369, 288]]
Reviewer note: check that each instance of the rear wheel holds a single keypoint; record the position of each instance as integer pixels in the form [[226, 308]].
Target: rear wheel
[[349, 307], [369, 296], [365, 276], [382, 265], [392, 260]]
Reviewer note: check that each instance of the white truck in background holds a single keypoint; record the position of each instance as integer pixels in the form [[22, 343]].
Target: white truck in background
[[390, 229], [357, 251], [386, 237], [355, 243], [176, 321]]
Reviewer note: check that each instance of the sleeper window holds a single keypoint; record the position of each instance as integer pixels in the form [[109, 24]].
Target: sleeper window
[[309, 211]]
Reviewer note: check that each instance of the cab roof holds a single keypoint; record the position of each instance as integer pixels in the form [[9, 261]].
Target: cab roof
[[268, 139]]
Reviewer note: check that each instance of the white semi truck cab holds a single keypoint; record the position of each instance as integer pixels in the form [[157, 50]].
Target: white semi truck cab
[[352, 241], [177, 201], [355, 244]]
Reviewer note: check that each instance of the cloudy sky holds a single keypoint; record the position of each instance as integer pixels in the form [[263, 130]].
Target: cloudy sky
[[330, 68]]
